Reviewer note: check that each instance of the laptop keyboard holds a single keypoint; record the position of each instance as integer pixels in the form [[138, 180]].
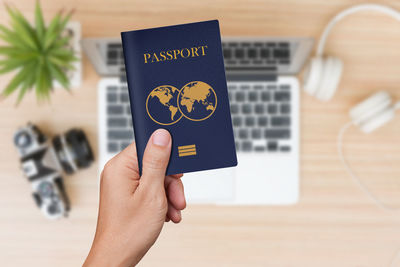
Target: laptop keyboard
[[255, 55], [261, 111], [260, 116], [119, 118]]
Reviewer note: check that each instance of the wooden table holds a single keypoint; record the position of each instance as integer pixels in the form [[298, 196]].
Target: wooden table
[[334, 224]]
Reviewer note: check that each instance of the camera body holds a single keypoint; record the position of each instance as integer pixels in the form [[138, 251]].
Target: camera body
[[43, 162]]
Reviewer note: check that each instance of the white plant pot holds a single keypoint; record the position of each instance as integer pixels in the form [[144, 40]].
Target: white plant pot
[[73, 28]]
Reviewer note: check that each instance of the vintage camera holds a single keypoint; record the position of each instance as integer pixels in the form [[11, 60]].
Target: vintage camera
[[43, 163]]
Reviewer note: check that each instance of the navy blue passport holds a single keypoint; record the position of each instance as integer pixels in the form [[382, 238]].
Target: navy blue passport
[[176, 80]]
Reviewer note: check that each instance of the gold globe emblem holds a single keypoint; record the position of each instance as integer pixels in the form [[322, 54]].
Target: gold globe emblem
[[161, 105], [197, 101]]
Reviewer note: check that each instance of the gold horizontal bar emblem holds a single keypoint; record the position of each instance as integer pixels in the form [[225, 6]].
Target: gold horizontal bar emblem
[[188, 150]]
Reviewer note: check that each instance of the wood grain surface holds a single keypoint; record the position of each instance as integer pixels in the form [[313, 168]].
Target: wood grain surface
[[334, 224]]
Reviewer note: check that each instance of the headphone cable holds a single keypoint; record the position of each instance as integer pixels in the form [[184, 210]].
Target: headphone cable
[[350, 172]]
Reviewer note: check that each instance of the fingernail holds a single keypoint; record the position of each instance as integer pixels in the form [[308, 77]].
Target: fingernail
[[161, 137]]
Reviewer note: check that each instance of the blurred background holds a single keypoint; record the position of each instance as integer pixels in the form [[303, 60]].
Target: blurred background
[[333, 224]]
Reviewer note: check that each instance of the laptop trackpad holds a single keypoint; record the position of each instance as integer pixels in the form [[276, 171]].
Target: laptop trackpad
[[213, 186]]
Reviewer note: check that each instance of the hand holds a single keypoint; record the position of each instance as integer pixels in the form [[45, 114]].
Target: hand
[[133, 209]]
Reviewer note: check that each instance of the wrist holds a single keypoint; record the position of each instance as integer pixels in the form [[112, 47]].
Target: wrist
[[105, 254]]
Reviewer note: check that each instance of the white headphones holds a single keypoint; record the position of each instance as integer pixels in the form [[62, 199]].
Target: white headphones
[[323, 75], [322, 79]]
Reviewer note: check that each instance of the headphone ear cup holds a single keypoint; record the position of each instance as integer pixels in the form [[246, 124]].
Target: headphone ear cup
[[313, 75], [378, 120], [330, 78], [373, 112], [322, 77]]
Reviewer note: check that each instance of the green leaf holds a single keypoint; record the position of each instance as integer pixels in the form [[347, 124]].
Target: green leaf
[[15, 82], [59, 75], [22, 28], [12, 38], [57, 30], [61, 63], [27, 84], [39, 21], [59, 43]]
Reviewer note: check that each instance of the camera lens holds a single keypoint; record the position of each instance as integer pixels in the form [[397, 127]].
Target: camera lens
[[73, 150], [53, 208], [22, 139], [45, 189]]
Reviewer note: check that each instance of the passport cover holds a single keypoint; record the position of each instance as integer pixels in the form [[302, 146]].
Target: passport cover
[[176, 80]]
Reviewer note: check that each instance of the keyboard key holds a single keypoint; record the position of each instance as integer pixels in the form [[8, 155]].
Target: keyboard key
[[243, 133], [128, 110], [253, 96], [124, 145], [271, 87], [120, 134], [284, 87], [265, 96], [272, 146], [252, 53], [246, 146], [271, 44], [262, 121], [114, 46], [227, 53], [281, 53], [124, 98], [284, 148], [234, 108], [240, 97], [259, 148], [282, 96], [117, 122], [111, 97], [112, 62], [264, 53], [285, 108], [239, 53], [277, 133], [112, 147], [237, 121], [114, 109], [244, 87], [237, 145], [250, 121], [232, 87], [112, 54], [245, 44], [256, 133], [111, 88], [246, 109], [280, 121], [283, 44], [272, 108], [259, 109], [258, 87], [230, 96]]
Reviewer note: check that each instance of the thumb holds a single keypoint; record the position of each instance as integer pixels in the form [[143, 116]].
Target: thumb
[[156, 158]]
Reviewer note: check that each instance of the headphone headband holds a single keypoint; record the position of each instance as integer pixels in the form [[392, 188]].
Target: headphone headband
[[374, 7]]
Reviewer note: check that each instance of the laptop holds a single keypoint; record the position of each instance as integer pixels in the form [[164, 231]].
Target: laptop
[[265, 106]]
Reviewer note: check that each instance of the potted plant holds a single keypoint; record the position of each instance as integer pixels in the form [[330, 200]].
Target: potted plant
[[42, 56]]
